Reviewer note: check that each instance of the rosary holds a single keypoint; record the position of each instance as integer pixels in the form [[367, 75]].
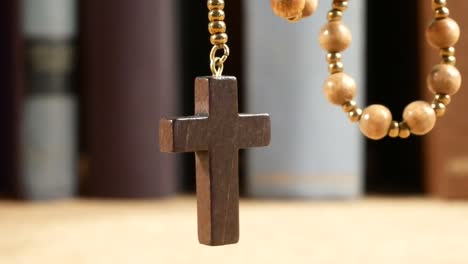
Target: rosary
[[217, 131]]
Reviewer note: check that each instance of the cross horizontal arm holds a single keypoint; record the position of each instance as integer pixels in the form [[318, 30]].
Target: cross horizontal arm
[[254, 130], [188, 134]]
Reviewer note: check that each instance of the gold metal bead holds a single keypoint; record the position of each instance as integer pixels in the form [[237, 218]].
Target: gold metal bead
[[394, 131], [439, 108], [219, 39], [341, 5], [452, 60], [450, 51], [438, 4], [349, 106], [216, 15], [442, 12], [355, 115], [215, 4], [334, 15], [335, 67], [443, 98], [217, 27], [404, 130], [334, 57]]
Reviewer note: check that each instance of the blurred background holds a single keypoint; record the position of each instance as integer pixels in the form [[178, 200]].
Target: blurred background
[[84, 84]]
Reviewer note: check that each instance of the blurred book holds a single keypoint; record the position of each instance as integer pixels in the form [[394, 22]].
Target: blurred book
[[393, 166], [11, 81], [49, 116], [315, 152], [446, 148], [129, 79]]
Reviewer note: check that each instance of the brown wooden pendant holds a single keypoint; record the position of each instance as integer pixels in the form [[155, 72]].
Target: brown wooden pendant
[[215, 134]]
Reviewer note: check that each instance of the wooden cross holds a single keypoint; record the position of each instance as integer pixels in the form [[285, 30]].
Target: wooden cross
[[215, 134]]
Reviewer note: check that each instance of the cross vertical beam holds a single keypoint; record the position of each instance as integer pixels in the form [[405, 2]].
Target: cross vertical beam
[[215, 134]]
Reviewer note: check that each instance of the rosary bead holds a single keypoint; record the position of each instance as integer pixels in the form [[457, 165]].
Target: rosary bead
[[334, 15], [341, 5], [444, 79], [339, 88], [333, 57], [443, 98], [335, 67], [287, 8], [404, 130], [439, 108], [394, 131], [451, 60], [219, 39], [309, 8], [375, 122], [215, 4], [355, 115], [216, 15], [442, 12], [438, 4], [450, 51], [443, 33], [420, 117], [335, 37], [217, 27], [349, 106]]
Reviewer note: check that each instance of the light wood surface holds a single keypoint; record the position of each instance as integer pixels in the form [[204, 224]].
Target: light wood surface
[[291, 232]]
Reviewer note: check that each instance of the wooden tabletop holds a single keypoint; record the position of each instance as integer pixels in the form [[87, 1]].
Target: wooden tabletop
[[374, 230]]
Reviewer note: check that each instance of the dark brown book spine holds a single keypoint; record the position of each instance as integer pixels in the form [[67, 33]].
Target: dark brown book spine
[[446, 148], [11, 83], [129, 80]]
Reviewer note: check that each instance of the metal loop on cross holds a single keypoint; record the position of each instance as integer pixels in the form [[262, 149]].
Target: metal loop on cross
[[217, 63]]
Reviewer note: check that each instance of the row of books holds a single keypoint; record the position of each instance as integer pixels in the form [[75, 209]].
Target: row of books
[[86, 83]]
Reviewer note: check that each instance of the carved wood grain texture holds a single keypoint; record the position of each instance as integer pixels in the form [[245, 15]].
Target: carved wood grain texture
[[215, 134]]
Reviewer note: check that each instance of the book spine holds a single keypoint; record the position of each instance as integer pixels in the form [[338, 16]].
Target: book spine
[[315, 152], [130, 81], [11, 81], [48, 138], [446, 148]]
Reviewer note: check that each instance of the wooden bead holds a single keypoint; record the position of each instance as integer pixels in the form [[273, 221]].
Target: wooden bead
[[217, 27], [375, 122], [443, 33], [420, 117], [215, 4], [335, 37], [288, 8], [309, 8], [219, 39], [339, 88], [444, 79]]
